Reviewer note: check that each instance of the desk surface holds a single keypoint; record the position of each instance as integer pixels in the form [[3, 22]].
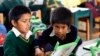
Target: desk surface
[[83, 52], [73, 10]]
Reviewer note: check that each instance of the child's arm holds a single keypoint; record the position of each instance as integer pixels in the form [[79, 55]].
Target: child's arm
[[44, 38], [39, 52], [9, 49]]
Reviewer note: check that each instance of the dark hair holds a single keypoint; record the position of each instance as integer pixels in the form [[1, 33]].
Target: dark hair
[[16, 12], [61, 15]]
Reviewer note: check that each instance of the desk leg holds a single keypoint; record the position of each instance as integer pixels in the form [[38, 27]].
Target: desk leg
[[88, 30]]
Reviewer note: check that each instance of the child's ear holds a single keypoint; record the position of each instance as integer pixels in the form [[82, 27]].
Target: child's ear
[[13, 23]]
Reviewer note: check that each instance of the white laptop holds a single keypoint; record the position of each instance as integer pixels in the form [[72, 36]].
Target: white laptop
[[87, 47], [64, 50], [97, 45]]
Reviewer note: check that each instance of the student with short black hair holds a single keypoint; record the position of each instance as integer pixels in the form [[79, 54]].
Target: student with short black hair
[[61, 30], [19, 40]]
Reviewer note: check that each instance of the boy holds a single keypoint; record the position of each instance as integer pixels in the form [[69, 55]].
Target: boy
[[19, 40], [60, 30]]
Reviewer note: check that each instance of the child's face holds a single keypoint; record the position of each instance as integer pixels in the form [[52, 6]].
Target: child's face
[[23, 24], [60, 30]]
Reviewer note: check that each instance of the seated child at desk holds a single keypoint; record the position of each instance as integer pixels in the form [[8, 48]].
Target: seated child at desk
[[19, 40], [60, 30]]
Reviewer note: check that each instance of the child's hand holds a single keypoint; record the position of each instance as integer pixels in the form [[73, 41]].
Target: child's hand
[[48, 53], [38, 33], [39, 52]]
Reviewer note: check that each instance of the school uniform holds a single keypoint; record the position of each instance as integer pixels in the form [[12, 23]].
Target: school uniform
[[48, 36], [16, 45]]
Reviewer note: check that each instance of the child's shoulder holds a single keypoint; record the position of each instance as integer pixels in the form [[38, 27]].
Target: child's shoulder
[[73, 31], [73, 28], [48, 30], [10, 35]]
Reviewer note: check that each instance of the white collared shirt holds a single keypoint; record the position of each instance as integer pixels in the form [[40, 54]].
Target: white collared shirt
[[52, 34], [17, 33]]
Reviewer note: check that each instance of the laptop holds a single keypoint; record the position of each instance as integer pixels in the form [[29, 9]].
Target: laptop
[[87, 47], [96, 48], [64, 50], [95, 44]]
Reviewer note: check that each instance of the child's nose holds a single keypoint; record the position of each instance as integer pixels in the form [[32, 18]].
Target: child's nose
[[60, 30], [28, 24]]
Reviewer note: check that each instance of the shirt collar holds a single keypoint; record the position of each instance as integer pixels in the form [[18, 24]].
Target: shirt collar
[[52, 34], [17, 33]]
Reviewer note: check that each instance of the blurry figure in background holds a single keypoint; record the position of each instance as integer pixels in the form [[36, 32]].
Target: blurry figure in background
[[35, 5], [50, 6], [3, 30], [45, 7], [2, 38], [3, 33], [7, 5], [92, 9], [70, 3]]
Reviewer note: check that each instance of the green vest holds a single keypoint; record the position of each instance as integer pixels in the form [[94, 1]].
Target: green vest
[[16, 46]]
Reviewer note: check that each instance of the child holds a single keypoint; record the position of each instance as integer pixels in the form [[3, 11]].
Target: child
[[60, 30], [19, 40]]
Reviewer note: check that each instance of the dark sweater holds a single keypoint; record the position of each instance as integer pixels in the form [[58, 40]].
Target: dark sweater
[[46, 38], [16, 46]]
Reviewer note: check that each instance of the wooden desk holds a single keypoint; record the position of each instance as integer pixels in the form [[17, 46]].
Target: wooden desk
[[84, 14]]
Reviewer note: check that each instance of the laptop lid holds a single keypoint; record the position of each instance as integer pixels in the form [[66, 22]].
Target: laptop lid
[[64, 50], [95, 44]]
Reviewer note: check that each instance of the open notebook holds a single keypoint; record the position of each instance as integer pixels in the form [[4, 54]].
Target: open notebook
[[64, 50]]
